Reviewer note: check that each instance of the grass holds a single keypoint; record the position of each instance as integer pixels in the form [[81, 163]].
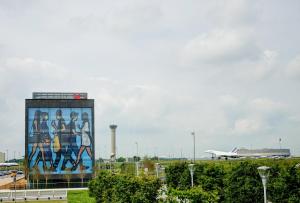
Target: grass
[[80, 196], [74, 196], [48, 201]]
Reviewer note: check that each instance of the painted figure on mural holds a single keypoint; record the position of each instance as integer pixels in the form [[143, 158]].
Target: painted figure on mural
[[46, 140], [36, 137], [59, 130], [70, 145], [73, 133], [85, 138]]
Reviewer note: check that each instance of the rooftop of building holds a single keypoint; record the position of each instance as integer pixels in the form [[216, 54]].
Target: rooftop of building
[[59, 95]]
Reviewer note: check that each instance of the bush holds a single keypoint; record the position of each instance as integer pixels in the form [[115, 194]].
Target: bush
[[108, 187], [194, 195], [210, 177], [244, 184]]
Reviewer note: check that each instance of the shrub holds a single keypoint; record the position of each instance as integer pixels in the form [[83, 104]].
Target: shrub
[[193, 195], [109, 187]]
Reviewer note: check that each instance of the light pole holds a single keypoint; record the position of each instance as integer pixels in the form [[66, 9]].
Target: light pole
[[264, 173], [7, 155], [193, 134], [137, 159], [191, 168], [137, 149], [137, 168], [157, 168]]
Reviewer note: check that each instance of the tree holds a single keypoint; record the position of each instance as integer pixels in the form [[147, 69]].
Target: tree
[[36, 175], [244, 184], [46, 175], [136, 158], [81, 173], [121, 159], [102, 187], [109, 187], [26, 169], [67, 176], [177, 175]]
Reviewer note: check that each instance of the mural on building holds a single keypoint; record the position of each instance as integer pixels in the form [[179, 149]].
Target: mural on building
[[60, 140]]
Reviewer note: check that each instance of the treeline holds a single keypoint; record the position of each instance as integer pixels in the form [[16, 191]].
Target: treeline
[[235, 181], [214, 181]]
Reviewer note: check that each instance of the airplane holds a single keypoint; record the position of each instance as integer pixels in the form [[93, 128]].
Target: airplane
[[220, 154], [8, 164]]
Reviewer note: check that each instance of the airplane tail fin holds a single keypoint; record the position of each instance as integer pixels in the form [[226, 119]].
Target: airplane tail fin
[[234, 150]]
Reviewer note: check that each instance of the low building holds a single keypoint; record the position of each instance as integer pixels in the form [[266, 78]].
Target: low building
[[264, 152], [2, 157]]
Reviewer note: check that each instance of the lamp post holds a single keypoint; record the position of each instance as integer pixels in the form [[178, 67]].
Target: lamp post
[[157, 168], [191, 168], [264, 173], [137, 159], [137, 168], [137, 149], [193, 134]]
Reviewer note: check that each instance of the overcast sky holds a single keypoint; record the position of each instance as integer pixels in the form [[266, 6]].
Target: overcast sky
[[228, 70]]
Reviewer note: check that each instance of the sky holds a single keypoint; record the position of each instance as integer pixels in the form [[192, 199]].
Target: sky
[[227, 70]]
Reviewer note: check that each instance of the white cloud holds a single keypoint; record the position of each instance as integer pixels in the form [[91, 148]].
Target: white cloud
[[30, 65], [247, 126], [220, 46], [237, 12], [133, 16], [266, 105], [229, 100], [293, 68]]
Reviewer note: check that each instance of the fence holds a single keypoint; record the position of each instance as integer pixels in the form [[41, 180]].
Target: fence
[[23, 195]]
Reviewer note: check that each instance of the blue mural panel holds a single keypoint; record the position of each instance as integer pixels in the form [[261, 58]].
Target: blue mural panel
[[60, 140]]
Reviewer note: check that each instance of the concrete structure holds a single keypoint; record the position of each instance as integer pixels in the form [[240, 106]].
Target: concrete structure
[[263, 152], [2, 157], [113, 142]]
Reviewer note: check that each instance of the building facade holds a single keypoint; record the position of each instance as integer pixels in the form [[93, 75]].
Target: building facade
[[264, 152], [2, 157], [59, 137]]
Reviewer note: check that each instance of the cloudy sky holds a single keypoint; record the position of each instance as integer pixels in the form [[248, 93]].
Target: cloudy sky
[[228, 70]]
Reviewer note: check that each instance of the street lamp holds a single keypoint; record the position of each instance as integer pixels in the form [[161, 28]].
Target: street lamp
[[162, 171], [137, 149], [264, 174], [157, 168], [137, 167], [191, 168], [193, 134]]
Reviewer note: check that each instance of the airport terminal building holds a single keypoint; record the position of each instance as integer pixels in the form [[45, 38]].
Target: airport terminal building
[[59, 138], [263, 152]]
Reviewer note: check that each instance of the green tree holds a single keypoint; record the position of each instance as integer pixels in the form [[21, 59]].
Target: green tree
[[177, 175], [123, 188], [102, 187], [121, 159], [244, 184]]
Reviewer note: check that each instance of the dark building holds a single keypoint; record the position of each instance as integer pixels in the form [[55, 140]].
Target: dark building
[[59, 138]]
